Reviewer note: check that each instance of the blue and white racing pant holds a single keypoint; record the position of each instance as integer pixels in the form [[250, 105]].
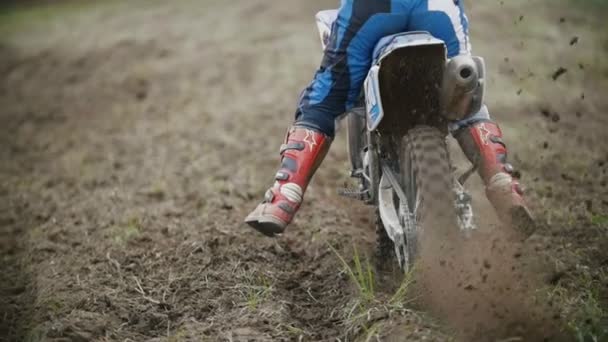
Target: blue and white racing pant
[[348, 56]]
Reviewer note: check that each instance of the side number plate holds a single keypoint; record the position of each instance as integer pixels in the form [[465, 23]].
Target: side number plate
[[373, 101]]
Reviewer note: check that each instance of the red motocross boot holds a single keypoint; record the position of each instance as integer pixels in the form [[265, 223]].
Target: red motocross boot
[[482, 144], [302, 153]]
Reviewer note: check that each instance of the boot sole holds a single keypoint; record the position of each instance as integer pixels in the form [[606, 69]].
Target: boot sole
[[269, 229]]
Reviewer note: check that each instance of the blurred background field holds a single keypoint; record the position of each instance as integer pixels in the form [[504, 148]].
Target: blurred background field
[[135, 136]]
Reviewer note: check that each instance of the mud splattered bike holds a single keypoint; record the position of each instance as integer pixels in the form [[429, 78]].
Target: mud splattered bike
[[397, 136]]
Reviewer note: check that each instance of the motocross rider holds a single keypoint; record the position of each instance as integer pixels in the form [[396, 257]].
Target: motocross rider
[[337, 84]]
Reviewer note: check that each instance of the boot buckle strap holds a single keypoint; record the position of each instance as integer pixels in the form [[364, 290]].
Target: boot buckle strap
[[299, 146], [287, 208], [281, 176]]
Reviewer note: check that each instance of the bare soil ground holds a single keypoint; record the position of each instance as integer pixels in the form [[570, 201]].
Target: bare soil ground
[[135, 136]]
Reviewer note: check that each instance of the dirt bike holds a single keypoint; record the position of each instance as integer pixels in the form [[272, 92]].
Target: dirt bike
[[397, 136]]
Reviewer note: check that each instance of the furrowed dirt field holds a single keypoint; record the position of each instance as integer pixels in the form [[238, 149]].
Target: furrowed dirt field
[[135, 137]]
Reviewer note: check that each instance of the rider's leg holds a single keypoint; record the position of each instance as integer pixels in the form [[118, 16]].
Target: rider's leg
[[337, 83], [481, 140], [334, 90]]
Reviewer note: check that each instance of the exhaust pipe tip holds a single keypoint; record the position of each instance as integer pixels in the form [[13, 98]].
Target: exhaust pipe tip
[[466, 73], [461, 80]]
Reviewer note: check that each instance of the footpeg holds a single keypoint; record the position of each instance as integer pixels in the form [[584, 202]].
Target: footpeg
[[353, 194]]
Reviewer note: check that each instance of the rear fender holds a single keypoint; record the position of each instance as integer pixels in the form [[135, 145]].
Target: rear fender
[[387, 46]]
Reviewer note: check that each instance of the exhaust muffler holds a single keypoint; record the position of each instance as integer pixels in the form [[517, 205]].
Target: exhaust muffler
[[463, 87]]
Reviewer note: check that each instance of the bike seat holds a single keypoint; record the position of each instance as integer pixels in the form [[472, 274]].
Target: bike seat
[[402, 39]]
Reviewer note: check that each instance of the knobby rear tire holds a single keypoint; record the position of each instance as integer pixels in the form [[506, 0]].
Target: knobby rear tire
[[428, 182], [426, 177]]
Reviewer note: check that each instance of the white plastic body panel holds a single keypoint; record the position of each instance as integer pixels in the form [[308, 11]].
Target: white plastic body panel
[[404, 40], [373, 102]]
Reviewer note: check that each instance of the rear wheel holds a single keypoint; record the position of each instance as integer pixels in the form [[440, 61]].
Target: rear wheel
[[426, 178]]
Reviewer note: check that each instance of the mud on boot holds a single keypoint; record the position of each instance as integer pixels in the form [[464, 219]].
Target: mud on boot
[[301, 154], [483, 145]]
